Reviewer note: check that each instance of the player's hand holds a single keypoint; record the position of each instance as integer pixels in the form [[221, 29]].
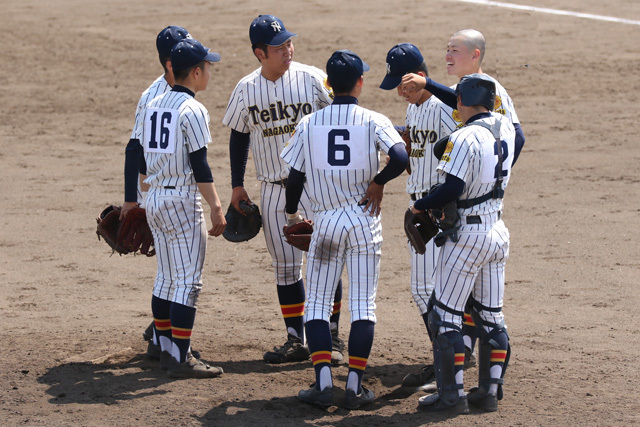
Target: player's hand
[[414, 210], [238, 194], [126, 207], [386, 160], [412, 83], [372, 201], [218, 223]]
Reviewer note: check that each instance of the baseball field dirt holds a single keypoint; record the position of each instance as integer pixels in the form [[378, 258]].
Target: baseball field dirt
[[73, 316]]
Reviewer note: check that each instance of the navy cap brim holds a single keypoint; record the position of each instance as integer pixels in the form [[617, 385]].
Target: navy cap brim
[[281, 38], [212, 57], [390, 82], [365, 66]]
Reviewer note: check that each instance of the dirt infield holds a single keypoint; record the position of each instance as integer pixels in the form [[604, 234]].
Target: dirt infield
[[73, 316]]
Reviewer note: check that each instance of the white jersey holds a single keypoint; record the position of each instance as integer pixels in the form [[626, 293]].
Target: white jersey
[[503, 105], [427, 123], [269, 112], [174, 125], [471, 156], [157, 88], [337, 148]]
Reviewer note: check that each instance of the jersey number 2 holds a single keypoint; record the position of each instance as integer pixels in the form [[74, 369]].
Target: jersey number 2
[[505, 155]]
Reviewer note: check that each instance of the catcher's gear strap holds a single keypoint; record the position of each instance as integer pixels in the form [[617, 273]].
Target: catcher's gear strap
[[497, 192], [436, 322], [451, 233]]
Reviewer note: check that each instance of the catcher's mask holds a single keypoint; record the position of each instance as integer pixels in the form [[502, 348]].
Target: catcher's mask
[[477, 89]]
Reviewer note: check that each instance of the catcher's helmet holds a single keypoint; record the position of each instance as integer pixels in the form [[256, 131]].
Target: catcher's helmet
[[477, 89]]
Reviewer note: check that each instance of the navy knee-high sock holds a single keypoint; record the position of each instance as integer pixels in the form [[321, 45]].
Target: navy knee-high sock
[[182, 320], [291, 298], [360, 343], [334, 320], [161, 310], [319, 342]]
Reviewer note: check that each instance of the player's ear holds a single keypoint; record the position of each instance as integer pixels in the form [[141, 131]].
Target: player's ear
[[259, 53]]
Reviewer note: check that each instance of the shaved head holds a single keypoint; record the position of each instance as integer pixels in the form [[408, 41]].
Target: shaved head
[[472, 39]]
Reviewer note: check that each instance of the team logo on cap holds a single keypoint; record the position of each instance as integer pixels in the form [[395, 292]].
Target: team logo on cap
[[388, 68], [276, 26]]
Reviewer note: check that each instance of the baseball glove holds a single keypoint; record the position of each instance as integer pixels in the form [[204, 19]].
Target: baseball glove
[[299, 234], [241, 228], [134, 233], [108, 225], [130, 235], [445, 217], [406, 137], [419, 229]]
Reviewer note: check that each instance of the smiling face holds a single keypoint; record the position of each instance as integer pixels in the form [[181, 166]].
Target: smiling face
[[277, 60], [461, 59]]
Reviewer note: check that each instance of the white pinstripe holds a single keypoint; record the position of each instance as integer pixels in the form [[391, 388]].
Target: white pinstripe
[[176, 216], [343, 233], [427, 123], [252, 108], [475, 264]]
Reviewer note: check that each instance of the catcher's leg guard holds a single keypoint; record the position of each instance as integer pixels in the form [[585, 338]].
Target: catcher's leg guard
[[494, 349], [444, 358]]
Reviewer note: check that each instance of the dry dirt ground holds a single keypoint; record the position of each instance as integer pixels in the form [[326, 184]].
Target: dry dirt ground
[[72, 352]]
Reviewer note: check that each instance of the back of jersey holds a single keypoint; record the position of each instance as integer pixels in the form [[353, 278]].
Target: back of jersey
[[337, 148]]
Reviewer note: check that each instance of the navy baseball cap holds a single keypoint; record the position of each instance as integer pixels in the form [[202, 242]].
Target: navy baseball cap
[[401, 59], [345, 65], [269, 29], [168, 38], [189, 52]]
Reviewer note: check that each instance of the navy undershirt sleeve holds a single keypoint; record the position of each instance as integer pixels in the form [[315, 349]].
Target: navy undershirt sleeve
[[445, 193], [398, 159], [293, 192], [519, 142], [200, 166], [443, 93], [238, 155], [133, 159]]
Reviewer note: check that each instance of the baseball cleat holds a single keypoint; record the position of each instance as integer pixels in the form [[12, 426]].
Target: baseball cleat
[[291, 351], [426, 375], [313, 396], [432, 403], [194, 368], [469, 359], [153, 350], [337, 347], [483, 400], [355, 401]]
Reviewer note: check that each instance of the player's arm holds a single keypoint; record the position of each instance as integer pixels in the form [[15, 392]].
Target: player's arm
[[293, 192], [447, 192], [204, 180], [133, 159], [519, 142], [238, 155], [398, 159], [415, 82]]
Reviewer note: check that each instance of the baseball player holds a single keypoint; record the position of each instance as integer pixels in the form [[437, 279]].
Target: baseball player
[[165, 40], [465, 52], [173, 136], [263, 111], [336, 150], [477, 166], [428, 120]]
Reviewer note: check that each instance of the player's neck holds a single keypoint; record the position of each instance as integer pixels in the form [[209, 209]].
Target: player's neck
[[169, 78], [272, 75], [471, 70]]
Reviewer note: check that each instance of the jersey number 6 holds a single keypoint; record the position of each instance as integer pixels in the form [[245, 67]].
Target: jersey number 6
[[334, 148]]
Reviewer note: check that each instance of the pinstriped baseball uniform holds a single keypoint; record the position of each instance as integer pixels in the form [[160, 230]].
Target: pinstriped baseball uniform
[[269, 111], [158, 87], [504, 104], [338, 150], [173, 125], [478, 258], [427, 123]]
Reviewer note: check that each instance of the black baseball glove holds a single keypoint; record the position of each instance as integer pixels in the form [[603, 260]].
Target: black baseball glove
[[419, 229], [241, 228]]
